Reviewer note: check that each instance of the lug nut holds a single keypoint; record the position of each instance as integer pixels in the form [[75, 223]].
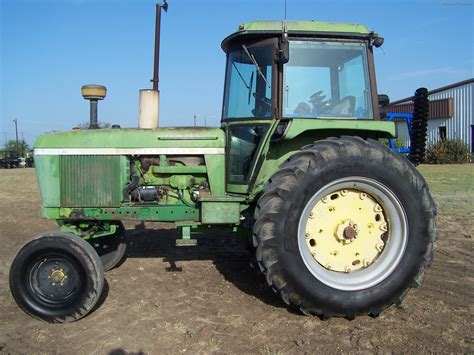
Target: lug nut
[[379, 246]]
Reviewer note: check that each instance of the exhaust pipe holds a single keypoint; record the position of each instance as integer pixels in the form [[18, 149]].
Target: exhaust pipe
[[93, 93], [149, 100], [156, 66], [148, 108]]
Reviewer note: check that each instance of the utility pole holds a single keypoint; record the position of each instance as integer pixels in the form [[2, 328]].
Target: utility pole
[[16, 134], [194, 120], [205, 120]]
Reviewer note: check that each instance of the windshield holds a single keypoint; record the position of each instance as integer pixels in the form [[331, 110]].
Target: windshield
[[327, 79], [248, 89]]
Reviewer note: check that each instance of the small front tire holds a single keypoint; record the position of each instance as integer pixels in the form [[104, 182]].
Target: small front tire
[[111, 249], [57, 277]]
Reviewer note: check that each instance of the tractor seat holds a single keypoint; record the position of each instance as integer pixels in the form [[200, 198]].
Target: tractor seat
[[345, 107]]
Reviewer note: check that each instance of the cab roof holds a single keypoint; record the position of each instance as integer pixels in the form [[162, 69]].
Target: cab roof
[[255, 29]]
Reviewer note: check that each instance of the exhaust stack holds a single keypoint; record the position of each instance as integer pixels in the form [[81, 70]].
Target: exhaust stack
[[149, 100], [93, 93], [148, 108]]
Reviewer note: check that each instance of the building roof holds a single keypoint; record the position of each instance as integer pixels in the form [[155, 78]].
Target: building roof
[[311, 28], [435, 91]]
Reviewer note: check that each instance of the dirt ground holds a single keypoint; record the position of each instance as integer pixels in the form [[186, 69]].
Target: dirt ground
[[218, 304]]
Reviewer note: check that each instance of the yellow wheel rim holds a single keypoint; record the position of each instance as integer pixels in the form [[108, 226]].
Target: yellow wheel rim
[[378, 232], [345, 230]]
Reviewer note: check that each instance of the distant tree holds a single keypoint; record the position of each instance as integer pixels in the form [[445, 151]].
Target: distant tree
[[10, 148], [85, 125]]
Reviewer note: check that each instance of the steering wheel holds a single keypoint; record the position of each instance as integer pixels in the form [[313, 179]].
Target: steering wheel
[[264, 106], [319, 104], [266, 102]]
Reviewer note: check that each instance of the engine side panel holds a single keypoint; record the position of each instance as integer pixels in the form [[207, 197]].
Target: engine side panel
[[156, 175]]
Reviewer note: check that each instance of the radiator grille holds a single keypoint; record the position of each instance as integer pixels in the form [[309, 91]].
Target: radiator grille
[[90, 181]]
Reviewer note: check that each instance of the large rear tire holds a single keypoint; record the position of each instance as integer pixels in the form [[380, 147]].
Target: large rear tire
[[57, 277], [345, 227]]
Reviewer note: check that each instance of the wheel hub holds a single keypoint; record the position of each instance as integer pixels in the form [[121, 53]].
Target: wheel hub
[[345, 229], [54, 279], [349, 233], [346, 232], [57, 276]]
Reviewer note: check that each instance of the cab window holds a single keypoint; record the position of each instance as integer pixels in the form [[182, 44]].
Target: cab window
[[248, 86], [327, 79]]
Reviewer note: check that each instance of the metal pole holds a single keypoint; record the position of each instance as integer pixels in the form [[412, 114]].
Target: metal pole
[[156, 67], [93, 115], [16, 134]]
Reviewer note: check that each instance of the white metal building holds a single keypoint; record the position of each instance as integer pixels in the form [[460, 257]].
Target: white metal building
[[450, 117]]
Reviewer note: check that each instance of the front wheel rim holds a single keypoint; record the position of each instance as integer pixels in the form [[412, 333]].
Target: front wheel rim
[[377, 266], [54, 280]]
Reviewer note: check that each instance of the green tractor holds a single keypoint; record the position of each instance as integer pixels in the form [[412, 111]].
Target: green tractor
[[338, 223]]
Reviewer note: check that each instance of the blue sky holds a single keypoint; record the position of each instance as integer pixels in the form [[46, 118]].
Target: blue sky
[[50, 48]]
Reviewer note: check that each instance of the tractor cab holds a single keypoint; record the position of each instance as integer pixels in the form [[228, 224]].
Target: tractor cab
[[278, 72]]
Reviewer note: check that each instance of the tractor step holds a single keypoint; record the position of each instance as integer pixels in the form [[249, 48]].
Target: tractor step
[[186, 242]]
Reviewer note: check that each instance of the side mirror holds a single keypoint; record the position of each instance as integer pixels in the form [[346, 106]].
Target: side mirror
[[284, 51], [383, 99], [378, 41]]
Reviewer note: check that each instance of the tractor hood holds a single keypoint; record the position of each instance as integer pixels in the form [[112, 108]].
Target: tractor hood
[[83, 141]]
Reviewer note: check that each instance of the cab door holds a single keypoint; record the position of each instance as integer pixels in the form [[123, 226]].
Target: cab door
[[249, 109]]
